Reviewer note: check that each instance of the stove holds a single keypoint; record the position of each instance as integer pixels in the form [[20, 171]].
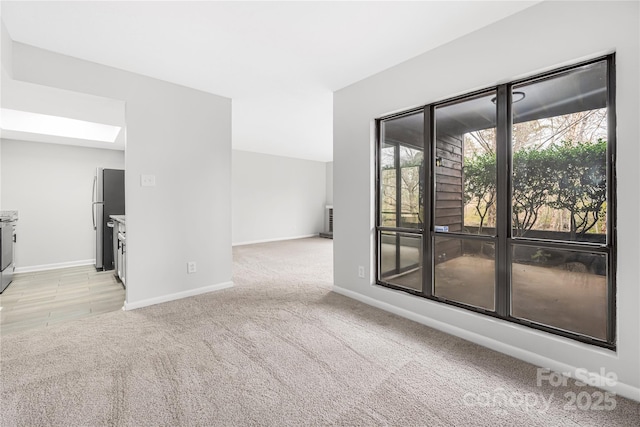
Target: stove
[[8, 221]]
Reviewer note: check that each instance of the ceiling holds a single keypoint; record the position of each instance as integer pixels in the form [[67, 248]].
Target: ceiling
[[29, 97], [579, 89], [279, 61]]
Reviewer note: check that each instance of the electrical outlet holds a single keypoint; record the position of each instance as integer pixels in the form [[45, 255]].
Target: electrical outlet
[[148, 180], [191, 267], [361, 271]]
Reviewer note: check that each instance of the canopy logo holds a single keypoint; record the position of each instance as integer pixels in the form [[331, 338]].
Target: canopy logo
[[501, 399], [597, 400]]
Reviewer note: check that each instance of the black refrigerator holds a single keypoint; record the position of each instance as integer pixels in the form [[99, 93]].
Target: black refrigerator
[[107, 199]]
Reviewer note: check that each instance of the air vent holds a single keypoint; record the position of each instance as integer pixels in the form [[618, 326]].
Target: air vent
[[330, 220], [328, 223]]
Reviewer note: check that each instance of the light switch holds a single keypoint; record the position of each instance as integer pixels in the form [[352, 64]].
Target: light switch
[[147, 180]]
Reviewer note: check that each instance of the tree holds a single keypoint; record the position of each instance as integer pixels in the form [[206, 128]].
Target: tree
[[548, 173], [580, 183], [411, 160], [533, 176], [408, 191], [480, 184], [567, 177]]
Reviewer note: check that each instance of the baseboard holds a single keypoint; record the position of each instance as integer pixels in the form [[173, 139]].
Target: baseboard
[[43, 267], [279, 239], [176, 296], [622, 389]]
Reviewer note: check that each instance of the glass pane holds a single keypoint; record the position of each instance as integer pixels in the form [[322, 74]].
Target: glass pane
[[411, 167], [402, 147], [465, 166], [401, 259], [560, 157], [388, 185], [559, 288], [465, 271]]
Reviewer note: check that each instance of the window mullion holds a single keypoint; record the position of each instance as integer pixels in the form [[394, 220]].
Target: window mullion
[[503, 202], [398, 201], [612, 233], [428, 204]]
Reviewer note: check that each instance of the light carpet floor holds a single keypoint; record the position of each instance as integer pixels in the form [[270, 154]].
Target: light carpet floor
[[278, 349]]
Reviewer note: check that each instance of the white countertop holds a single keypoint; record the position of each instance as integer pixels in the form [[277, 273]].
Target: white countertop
[[119, 218]]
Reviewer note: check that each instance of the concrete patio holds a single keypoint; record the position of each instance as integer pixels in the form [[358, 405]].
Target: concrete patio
[[570, 300]]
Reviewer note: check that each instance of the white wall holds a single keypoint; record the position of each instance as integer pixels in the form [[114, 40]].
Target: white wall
[[543, 37], [6, 61], [276, 197], [329, 172], [183, 137], [50, 187], [6, 51]]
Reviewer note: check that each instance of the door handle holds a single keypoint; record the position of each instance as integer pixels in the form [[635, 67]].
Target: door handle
[[93, 212], [93, 201]]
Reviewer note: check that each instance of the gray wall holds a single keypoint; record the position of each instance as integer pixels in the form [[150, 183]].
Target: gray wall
[[50, 186], [329, 171], [276, 197], [509, 49], [183, 137]]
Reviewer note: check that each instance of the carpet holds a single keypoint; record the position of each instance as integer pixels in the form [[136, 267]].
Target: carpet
[[278, 349]]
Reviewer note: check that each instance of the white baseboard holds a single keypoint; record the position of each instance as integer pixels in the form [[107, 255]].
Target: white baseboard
[[279, 239], [176, 296], [56, 266], [622, 389]]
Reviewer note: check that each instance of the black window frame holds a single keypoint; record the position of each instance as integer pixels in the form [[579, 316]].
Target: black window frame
[[503, 237]]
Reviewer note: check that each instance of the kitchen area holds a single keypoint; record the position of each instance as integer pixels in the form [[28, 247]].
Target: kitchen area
[[119, 247], [62, 260], [108, 217], [8, 238], [46, 295]]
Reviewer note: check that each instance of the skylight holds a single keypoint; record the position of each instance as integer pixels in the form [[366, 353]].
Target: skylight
[[43, 124]]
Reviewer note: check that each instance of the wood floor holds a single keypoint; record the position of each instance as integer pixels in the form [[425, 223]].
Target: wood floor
[[45, 298]]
